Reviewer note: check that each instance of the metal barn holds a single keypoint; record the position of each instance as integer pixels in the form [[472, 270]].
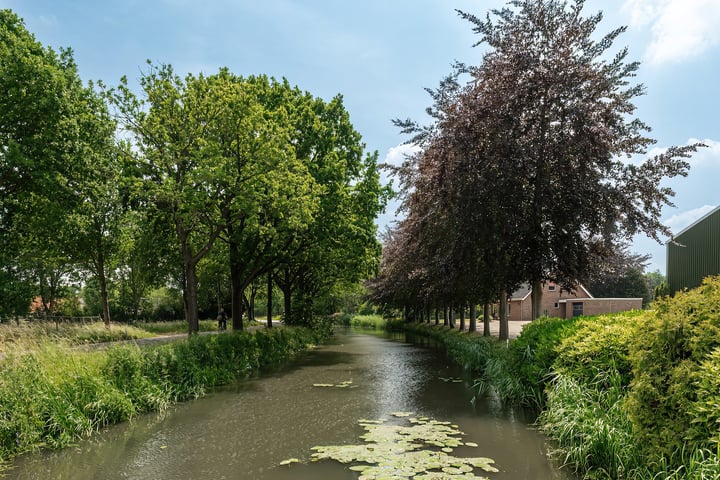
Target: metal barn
[[695, 253]]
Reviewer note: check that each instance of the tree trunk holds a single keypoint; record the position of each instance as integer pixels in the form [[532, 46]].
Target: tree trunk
[[287, 302], [536, 299], [190, 292], [103, 288], [446, 321], [504, 327], [437, 317], [269, 300], [486, 320], [473, 317], [236, 294], [452, 317], [462, 318]]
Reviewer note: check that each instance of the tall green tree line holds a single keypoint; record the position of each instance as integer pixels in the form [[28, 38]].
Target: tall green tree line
[[211, 183]]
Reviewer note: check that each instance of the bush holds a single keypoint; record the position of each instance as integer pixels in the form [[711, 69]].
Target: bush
[[533, 354], [371, 322], [599, 348], [668, 359]]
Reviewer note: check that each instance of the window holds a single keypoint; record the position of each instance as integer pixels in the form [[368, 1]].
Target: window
[[557, 305], [551, 288], [577, 309]]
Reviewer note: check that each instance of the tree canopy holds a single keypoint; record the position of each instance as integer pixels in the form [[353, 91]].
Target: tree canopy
[[535, 168], [173, 182]]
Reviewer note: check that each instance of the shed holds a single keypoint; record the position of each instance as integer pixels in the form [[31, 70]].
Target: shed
[[694, 253]]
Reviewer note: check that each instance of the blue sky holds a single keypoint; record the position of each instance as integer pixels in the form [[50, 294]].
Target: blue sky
[[380, 54]]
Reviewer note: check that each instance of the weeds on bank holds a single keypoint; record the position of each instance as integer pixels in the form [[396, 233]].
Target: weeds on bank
[[624, 396], [368, 322], [29, 335], [52, 395]]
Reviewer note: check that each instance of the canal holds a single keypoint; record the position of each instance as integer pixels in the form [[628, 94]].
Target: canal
[[244, 431]]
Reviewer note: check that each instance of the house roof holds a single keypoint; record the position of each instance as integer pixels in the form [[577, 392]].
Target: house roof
[[522, 292], [525, 290], [609, 299]]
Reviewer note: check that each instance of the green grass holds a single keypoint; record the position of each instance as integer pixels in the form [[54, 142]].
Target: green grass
[[585, 376], [176, 326], [53, 394], [370, 322], [28, 335]]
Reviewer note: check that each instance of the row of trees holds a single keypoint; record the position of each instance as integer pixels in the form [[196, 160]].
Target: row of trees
[[529, 171], [220, 179]]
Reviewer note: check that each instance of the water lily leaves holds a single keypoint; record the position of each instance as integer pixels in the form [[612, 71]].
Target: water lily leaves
[[451, 379], [417, 451], [345, 384], [289, 461]]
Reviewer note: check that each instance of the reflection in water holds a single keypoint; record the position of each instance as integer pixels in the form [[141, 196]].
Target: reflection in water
[[245, 430]]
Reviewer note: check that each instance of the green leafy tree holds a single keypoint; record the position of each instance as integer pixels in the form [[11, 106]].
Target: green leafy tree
[[94, 222], [269, 197], [177, 165], [44, 110]]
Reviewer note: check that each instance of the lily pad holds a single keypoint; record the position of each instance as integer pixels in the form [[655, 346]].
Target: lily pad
[[289, 461], [420, 451]]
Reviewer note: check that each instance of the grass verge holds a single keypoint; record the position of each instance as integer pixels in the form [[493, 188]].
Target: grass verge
[[52, 395]]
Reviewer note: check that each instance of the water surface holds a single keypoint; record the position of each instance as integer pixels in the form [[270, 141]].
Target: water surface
[[245, 430]]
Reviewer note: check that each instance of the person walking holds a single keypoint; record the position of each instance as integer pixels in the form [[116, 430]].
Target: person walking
[[222, 319]]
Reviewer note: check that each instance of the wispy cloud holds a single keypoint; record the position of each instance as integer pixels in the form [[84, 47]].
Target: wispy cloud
[[681, 220], [681, 29], [708, 156], [396, 155]]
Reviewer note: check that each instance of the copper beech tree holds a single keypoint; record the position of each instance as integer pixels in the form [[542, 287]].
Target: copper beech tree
[[533, 170]]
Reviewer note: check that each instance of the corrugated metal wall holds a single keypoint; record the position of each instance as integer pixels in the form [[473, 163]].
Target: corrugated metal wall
[[699, 256]]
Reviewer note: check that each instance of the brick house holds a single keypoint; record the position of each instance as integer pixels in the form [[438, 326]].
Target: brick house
[[557, 302]]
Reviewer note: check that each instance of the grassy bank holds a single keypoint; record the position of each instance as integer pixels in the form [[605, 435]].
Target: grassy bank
[[625, 396], [52, 395], [27, 336]]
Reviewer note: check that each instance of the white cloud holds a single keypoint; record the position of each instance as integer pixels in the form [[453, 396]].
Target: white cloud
[[397, 155], [706, 157], [679, 221], [681, 29]]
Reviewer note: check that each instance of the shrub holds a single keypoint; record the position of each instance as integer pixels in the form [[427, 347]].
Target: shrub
[[374, 322], [599, 348], [533, 353], [668, 409]]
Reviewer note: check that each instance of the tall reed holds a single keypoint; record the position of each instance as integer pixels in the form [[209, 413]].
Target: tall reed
[[52, 395]]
